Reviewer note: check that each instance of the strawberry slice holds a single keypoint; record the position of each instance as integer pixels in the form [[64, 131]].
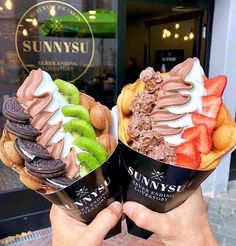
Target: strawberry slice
[[186, 161], [200, 136], [215, 86], [190, 149], [211, 106], [202, 119]]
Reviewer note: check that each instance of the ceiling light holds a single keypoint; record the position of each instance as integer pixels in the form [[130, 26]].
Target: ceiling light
[[177, 26], [24, 32], [52, 11], [165, 30], [182, 9], [168, 33], [191, 35], [1, 8], [92, 17], [35, 22], [176, 35], [8, 4], [164, 35], [185, 38], [92, 12]]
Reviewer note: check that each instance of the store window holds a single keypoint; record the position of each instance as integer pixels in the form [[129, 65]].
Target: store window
[[72, 40]]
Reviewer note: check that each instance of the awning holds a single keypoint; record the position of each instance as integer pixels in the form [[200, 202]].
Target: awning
[[102, 23]]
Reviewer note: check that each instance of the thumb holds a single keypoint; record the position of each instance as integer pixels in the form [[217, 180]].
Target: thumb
[[144, 217], [105, 221]]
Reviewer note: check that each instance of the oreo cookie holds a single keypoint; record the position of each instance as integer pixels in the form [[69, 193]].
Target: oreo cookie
[[47, 175], [13, 111], [29, 150], [25, 131], [24, 154], [46, 168], [33, 182], [59, 182]]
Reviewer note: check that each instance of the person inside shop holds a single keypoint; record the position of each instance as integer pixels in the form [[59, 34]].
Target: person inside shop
[[132, 71], [183, 226]]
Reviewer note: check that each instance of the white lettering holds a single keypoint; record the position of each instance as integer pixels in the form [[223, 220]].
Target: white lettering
[[163, 187], [130, 170]]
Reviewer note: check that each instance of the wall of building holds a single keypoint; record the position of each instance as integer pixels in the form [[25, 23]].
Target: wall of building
[[222, 61]]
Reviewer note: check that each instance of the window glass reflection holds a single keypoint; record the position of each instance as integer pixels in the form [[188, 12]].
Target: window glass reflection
[[72, 40]]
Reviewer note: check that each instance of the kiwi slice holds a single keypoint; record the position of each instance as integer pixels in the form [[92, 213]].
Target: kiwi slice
[[81, 127], [68, 90], [93, 147], [87, 162], [77, 111], [75, 134]]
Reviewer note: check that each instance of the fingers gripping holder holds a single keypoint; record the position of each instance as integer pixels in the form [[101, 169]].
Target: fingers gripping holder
[[157, 185], [86, 197]]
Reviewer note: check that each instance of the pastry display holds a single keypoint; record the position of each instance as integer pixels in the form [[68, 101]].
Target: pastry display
[[177, 117], [54, 134]]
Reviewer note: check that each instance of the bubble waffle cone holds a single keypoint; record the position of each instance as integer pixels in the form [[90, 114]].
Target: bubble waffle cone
[[173, 130], [123, 103], [8, 154], [34, 183], [63, 145], [223, 137]]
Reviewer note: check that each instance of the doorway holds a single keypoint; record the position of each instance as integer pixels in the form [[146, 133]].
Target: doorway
[[163, 34]]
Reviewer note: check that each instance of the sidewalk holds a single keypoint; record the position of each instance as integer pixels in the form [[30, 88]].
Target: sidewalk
[[222, 216], [221, 212]]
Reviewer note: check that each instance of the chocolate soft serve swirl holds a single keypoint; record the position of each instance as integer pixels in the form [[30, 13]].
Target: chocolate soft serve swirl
[[167, 100], [168, 95], [35, 106]]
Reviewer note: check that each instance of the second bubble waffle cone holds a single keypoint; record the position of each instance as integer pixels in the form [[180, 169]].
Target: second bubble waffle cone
[[63, 144], [173, 130]]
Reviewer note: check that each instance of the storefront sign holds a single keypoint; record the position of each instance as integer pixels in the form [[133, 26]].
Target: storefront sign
[[165, 60], [56, 37]]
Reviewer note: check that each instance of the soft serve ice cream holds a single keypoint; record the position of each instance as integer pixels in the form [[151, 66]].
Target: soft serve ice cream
[[40, 97], [178, 95], [173, 116], [60, 133]]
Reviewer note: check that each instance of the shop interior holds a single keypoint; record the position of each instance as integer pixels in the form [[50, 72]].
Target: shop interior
[[164, 35]]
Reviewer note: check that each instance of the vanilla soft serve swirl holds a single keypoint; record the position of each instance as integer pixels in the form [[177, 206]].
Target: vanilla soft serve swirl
[[40, 97], [183, 89], [174, 96]]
